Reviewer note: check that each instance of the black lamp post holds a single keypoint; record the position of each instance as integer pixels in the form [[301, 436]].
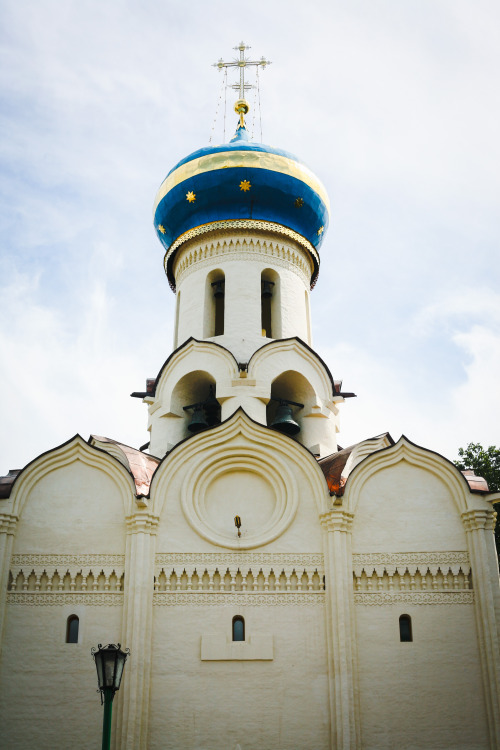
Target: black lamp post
[[109, 661]]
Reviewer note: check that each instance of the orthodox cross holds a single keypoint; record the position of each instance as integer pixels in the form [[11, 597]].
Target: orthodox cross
[[242, 63]]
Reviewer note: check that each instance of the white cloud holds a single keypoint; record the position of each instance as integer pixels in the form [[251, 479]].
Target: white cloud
[[62, 375], [462, 307], [441, 414]]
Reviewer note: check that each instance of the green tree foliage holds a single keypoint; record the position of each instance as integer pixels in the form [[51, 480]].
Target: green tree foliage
[[485, 462]]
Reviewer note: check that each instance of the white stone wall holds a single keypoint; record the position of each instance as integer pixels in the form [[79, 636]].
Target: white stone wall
[[283, 703], [411, 556], [405, 508], [427, 693], [48, 687], [68, 559], [75, 509], [322, 665]]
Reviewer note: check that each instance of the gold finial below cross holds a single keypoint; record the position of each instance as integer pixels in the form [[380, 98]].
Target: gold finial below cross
[[242, 106]]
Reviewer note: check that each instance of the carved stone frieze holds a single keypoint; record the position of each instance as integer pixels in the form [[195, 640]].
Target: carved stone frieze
[[412, 571], [410, 558], [255, 572], [265, 579], [228, 598], [255, 226], [242, 249], [35, 559], [45, 599], [245, 559], [414, 597], [84, 573]]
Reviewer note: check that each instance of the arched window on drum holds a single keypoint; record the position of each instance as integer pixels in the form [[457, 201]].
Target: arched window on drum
[[270, 294], [214, 304]]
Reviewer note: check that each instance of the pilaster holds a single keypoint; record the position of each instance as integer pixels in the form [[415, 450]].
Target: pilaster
[[341, 629], [137, 628], [479, 525], [8, 523]]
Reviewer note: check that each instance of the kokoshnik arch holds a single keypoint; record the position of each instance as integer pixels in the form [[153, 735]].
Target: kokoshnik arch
[[275, 589]]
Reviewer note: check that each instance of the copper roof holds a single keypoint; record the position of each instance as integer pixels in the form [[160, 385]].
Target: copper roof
[[336, 475], [336, 467], [332, 467], [7, 482], [476, 484], [141, 465]]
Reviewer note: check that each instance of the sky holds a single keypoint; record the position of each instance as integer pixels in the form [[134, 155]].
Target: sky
[[394, 105]]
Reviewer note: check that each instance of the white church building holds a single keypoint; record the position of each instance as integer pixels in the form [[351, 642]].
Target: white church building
[[276, 591]]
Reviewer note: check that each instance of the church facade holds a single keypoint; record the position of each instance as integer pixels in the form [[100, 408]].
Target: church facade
[[276, 591]]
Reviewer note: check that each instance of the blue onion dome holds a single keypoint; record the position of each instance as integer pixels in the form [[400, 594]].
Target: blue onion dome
[[240, 184]]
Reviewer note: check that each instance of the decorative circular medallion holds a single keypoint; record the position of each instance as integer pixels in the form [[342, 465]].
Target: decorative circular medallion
[[240, 483]]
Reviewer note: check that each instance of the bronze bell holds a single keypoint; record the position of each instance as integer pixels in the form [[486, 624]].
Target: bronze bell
[[283, 420], [198, 420], [212, 409], [267, 289], [218, 287]]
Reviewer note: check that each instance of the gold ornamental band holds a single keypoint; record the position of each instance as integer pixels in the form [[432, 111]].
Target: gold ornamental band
[[244, 159]]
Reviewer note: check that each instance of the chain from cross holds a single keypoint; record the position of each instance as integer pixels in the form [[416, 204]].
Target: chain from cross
[[242, 63]]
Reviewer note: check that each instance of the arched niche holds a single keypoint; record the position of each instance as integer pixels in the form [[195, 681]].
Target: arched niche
[[73, 485], [291, 386], [193, 388], [406, 498]]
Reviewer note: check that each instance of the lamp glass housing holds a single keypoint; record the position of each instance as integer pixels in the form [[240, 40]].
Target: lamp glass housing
[[110, 661]]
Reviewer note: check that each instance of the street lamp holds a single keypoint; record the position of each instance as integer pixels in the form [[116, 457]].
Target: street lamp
[[109, 661]]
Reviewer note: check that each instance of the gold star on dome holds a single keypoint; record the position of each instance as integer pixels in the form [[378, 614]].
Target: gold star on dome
[[161, 228], [245, 186], [321, 230], [191, 197], [299, 202]]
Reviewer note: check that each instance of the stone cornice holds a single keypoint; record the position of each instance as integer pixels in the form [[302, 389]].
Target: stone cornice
[[142, 523], [475, 520], [8, 523], [337, 520]]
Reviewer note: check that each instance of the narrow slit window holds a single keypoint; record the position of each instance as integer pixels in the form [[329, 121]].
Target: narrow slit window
[[177, 312], [238, 628], [405, 630], [72, 627], [218, 289], [266, 307]]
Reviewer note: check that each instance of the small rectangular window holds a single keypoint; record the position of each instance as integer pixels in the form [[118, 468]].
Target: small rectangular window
[[72, 627], [405, 631], [238, 628]]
